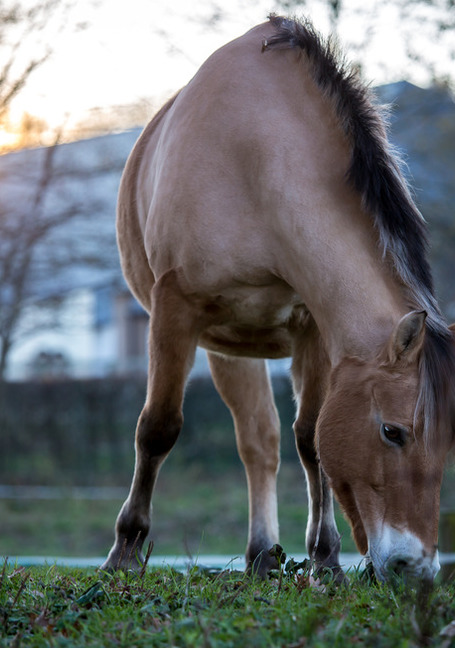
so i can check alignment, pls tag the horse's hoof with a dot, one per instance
(123, 560)
(262, 564)
(334, 573)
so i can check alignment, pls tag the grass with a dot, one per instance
(162, 607)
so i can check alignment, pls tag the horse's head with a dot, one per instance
(383, 457)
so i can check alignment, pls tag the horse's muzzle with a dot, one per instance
(400, 555)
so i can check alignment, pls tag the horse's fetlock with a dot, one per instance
(324, 546)
(132, 525)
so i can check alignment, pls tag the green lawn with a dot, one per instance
(201, 512)
(63, 607)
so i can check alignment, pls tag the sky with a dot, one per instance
(131, 50)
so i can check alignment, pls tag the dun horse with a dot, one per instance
(262, 214)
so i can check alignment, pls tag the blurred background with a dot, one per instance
(78, 81)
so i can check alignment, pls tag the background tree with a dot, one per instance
(24, 48)
(420, 33)
(16, 24)
(50, 233)
(38, 200)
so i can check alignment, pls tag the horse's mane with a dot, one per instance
(375, 173)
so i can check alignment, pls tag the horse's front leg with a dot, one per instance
(310, 371)
(322, 538)
(244, 386)
(173, 338)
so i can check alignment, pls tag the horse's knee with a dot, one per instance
(157, 432)
(261, 445)
(304, 432)
(133, 523)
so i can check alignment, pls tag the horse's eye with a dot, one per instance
(393, 435)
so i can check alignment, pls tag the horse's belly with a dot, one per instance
(259, 326)
(252, 343)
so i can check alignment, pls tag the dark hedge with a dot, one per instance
(82, 432)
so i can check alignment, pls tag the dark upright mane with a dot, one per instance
(375, 173)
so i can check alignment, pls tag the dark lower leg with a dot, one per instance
(154, 441)
(310, 370)
(322, 537)
(173, 336)
(263, 525)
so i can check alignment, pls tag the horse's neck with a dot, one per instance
(355, 312)
(335, 265)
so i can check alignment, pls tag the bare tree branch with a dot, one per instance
(21, 26)
(424, 29)
(38, 245)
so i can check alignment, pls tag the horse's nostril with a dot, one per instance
(398, 565)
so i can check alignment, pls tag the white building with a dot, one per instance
(80, 321)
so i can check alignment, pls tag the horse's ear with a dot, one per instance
(407, 338)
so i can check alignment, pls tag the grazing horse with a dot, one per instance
(263, 214)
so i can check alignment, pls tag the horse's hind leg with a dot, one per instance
(244, 385)
(310, 370)
(173, 336)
